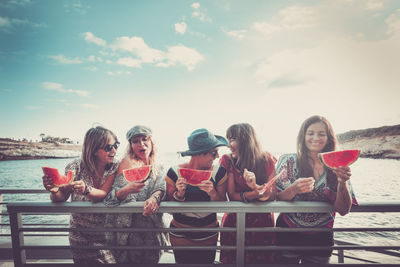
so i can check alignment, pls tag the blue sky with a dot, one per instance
(176, 66)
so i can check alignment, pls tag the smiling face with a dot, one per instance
(316, 137)
(141, 146)
(234, 146)
(105, 154)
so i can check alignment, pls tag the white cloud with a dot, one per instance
(288, 19)
(59, 88)
(139, 48)
(199, 14)
(4, 22)
(393, 22)
(196, 5)
(180, 27)
(374, 4)
(129, 62)
(13, 22)
(91, 38)
(238, 34)
(183, 55)
(63, 60)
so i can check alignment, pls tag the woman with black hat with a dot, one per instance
(140, 151)
(203, 150)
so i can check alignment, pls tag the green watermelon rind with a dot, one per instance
(194, 171)
(134, 171)
(323, 159)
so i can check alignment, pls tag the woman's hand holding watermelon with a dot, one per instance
(135, 187)
(343, 173)
(208, 187)
(48, 184)
(181, 186)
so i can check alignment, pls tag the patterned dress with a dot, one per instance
(195, 219)
(252, 220)
(325, 191)
(89, 220)
(136, 220)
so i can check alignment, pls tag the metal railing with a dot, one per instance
(17, 209)
(20, 231)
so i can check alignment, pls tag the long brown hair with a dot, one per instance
(250, 153)
(95, 138)
(305, 169)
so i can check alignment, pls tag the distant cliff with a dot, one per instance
(382, 142)
(15, 150)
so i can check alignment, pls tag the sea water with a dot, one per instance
(373, 180)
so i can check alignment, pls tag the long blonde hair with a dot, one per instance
(250, 153)
(129, 154)
(95, 138)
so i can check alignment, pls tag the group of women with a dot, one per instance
(239, 176)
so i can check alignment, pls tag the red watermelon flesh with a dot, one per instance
(138, 174)
(194, 177)
(270, 183)
(59, 180)
(336, 159)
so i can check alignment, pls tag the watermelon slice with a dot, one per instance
(138, 174)
(336, 159)
(194, 177)
(271, 182)
(59, 180)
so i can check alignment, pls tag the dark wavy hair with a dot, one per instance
(250, 153)
(95, 138)
(303, 159)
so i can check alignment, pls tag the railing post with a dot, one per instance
(240, 238)
(17, 238)
(340, 256)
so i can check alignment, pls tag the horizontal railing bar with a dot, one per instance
(215, 229)
(215, 206)
(268, 248)
(22, 191)
(213, 264)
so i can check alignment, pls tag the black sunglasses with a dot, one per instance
(108, 147)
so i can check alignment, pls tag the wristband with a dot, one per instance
(242, 196)
(88, 189)
(157, 197)
(178, 198)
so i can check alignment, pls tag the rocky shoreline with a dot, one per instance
(20, 150)
(377, 143)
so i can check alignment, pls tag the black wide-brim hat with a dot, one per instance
(201, 141)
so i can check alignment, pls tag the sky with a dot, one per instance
(176, 66)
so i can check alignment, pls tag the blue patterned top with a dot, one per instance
(323, 191)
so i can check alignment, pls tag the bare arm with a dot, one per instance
(98, 194)
(343, 198)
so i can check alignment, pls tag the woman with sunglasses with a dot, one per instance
(248, 168)
(94, 175)
(203, 149)
(141, 151)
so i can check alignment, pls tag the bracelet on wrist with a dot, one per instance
(54, 190)
(157, 197)
(88, 189)
(243, 197)
(178, 198)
